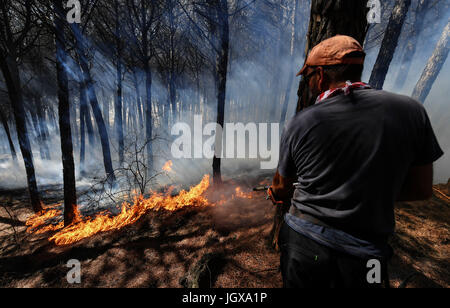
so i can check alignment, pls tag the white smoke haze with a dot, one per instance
(249, 99)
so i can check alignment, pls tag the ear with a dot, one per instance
(321, 79)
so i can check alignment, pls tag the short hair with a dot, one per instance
(344, 72)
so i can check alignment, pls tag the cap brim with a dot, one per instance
(302, 71)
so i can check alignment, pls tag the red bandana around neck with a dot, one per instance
(349, 87)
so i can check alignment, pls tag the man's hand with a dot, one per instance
(282, 188)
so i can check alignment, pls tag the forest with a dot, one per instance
(90, 93)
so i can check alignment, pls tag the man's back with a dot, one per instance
(351, 155)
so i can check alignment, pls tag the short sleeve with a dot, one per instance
(428, 149)
(286, 165)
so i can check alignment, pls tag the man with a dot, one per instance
(344, 161)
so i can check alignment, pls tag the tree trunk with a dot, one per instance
(92, 97)
(138, 99)
(294, 43)
(8, 134)
(118, 110)
(148, 116)
(329, 18)
(43, 127)
(410, 50)
(118, 117)
(222, 71)
(38, 134)
(70, 195)
(12, 79)
(389, 43)
(434, 66)
(82, 143)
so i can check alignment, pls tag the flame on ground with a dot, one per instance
(130, 213)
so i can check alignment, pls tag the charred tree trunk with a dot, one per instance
(70, 195)
(10, 71)
(389, 43)
(222, 70)
(434, 66)
(405, 64)
(8, 135)
(329, 18)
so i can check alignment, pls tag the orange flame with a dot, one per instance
(240, 194)
(130, 214)
(168, 166)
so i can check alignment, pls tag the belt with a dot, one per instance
(297, 213)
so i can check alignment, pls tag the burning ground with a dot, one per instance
(167, 240)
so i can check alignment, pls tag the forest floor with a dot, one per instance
(162, 247)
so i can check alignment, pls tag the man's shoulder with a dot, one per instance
(391, 99)
(392, 104)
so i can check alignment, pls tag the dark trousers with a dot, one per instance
(308, 264)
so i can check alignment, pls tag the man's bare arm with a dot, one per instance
(418, 184)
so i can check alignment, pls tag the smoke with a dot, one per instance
(252, 77)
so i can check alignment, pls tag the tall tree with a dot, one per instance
(70, 195)
(293, 49)
(222, 70)
(411, 46)
(433, 67)
(16, 27)
(86, 78)
(389, 44)
(143, 23)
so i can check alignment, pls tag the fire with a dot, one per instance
(85, 227)
(168, 166)
(240, 194)
(130, 213)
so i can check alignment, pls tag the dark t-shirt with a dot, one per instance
(351, 155)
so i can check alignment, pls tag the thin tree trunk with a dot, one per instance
(389, 43)
(12, 78)
(70, 195)
(434, 66)
(294, 43)
(222, 70)
(38, 134)
(92, 97)
(118, 116)
(411, 45)
(82, 143)
(138, 98)
(8, 134)
(42, 127)
(148, 116)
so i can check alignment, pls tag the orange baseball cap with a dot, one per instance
(334, 51)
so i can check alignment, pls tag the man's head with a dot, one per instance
(331, 63)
